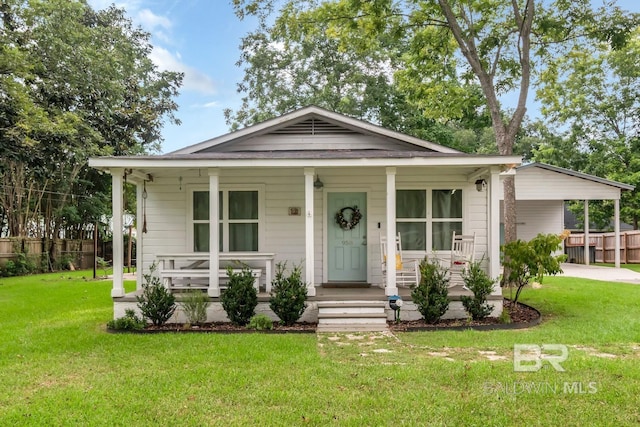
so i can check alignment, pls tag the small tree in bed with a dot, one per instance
(526, 261)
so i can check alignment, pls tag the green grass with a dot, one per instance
(633, 267)
(60, 367)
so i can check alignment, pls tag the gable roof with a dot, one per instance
(569, 172)
(311, 122)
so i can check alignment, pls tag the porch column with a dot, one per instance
(391, 287)
(308, 231)
(214, 234)
(118, 238)
(494, 225)
(616, 229)
(586, 233)
(139, 235)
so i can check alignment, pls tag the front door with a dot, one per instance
(347, 242)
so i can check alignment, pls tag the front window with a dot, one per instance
(426, 219)
(238, 224)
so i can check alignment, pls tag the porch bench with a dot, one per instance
(181, 274)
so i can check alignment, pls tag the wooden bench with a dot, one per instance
(185, 276)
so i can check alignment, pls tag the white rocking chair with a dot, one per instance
(407, 271)
(462, 255)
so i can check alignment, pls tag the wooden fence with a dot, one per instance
(78, 252)
(604, 247)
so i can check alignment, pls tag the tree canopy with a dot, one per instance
(445, 59)
(74, 83)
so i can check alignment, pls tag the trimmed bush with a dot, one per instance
(478, 282)
(431, 294)
(130, 322)
(260, 322)
(194, 305)
(288, 294)
(241, 298)
(156, 303)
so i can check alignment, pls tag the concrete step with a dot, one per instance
(324, 315)
(352, 316)
(351, 327)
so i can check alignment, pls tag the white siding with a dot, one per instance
(168, 197)
(543, 216)
(535, 183)
(316, 142)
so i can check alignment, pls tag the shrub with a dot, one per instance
(431, 294)
(156, 303)
(241, 298)
(288, 294)
(130, 322)
(103, 264)
(526, 261)
(478, 282)
(260, 322)
(21, 266)
(194, 305)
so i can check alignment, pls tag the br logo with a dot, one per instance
(531, 357)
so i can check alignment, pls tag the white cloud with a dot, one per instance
(151, 21)
(194, 80)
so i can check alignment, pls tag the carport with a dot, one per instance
(541, 191)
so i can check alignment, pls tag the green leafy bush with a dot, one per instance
(241, 298)
(260, 322)
(526, 261)
(21, 266)
(156, 303)
(288, 294)
(478, 282)
(194, 305)
(431, 294)
(130, 322)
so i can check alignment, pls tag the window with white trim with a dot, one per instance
(426, 219)
(239, 224)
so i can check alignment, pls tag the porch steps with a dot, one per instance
(352, 316)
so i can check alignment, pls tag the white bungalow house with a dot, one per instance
(273, 191)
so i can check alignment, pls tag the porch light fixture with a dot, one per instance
(317, 184)
(481, 184)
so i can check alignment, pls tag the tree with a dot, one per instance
(285, 70)
(75, 83)
(591, 90)
(454, 47)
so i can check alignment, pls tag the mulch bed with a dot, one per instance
(522, 316)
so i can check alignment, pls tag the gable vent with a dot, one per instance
(313, 126)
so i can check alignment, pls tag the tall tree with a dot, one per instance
(455, 46)
(591, 92)
(74, 83)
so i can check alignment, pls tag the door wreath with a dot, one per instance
(345, 224)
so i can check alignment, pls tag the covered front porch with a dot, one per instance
(364, 295)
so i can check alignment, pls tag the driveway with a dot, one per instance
(609, 274)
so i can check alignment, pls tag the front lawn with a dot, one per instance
(59, 366)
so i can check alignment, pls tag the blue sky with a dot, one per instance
(201, 39)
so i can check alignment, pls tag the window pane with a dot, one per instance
(243, 205)
(243, 237)
(411, 204)
(447, 203)
(201, 237)
(200, 205)
(443, 233)
(413, 235)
